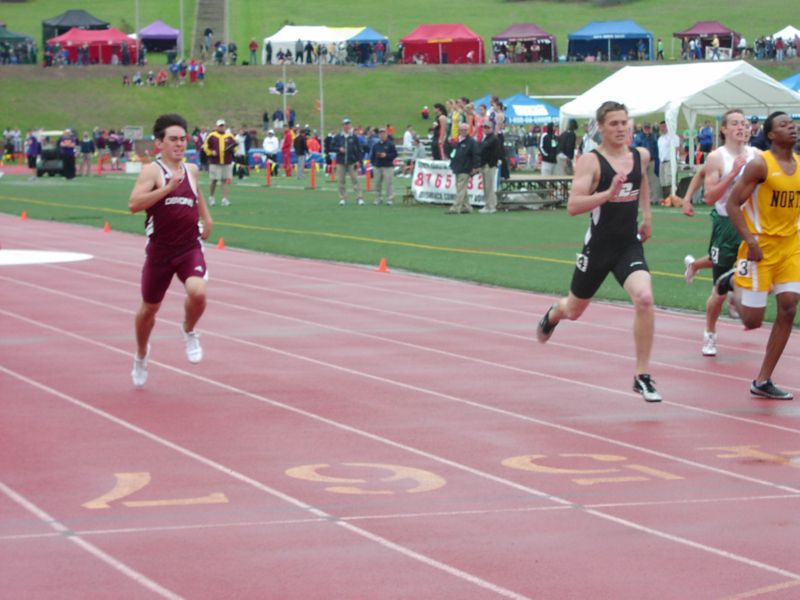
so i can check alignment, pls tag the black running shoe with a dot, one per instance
(769, 390)
(724, 283)
(545, 328)
(646, 387)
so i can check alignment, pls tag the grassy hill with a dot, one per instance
(88, 97)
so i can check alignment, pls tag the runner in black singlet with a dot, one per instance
(611, 184)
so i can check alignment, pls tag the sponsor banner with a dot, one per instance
(434, 182)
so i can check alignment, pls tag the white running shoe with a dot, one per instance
(709, 344)
(689, 273)
(139, 372)
(211, 201)
(225, 202)
(194, 351)
(360, 201)
(342, 202)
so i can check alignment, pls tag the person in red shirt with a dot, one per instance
(287, 143)
(253, 47)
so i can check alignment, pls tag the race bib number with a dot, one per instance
(714, 255)
(582, 262)
(743, 268)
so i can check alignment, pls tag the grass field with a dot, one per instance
(532, 250)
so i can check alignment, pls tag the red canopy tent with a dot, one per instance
(528, 33)
(706, 30)
(103, 44)
(442, 44)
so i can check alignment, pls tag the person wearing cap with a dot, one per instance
(271, 147)
(66, 145)
(465, 161)
(349, 153)
(219, 147)
(381, 158)
(491, 150)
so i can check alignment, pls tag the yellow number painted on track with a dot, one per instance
(425, 480)
(531, 462)
(128, 484)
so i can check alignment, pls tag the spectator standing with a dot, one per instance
(660, 49)
(349, 154)
(271, 147)
(33, 148)
(548, 144)
(277, 119)
(565, 151)
(300, 144)
(253, 47)
(287, 143)
(408, 138)
(382, 158)
(647, 139)
(87, 150)
(529, 140)
(114, 149)
(219, 147)
(668, 144)
(757, 137)
(491, 151)
(67, 147)
(464, 163)
(439, 132)
(705, 138)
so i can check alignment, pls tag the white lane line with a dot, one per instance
(76, 539)
(403, 447)
(317, 512)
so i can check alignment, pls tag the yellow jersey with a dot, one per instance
(774, 207)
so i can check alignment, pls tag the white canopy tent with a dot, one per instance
(788, 33)
(708, 88)
(286, 38)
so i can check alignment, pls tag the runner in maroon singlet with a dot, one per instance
(167, 190)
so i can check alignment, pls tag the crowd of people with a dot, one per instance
(18, 53)
(174, 74)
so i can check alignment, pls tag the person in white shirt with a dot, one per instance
(667, 157)
(271, 146)
(408, 138)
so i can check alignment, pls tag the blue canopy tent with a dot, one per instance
(793, 82)
(613, 40)
(365, 40)
(524, 110)
(487, 100)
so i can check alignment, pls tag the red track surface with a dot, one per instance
(353, 434)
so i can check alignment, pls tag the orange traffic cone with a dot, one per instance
(221, 244)
(382, 266)
(24, 215)
(107, 227)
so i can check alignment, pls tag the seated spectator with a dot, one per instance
(137, 78)
(161, 80)
(126, 80)
(151, 78)
(417, 152)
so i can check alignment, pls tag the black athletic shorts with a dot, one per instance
(598, 259)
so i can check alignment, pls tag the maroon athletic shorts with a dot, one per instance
(163, 262)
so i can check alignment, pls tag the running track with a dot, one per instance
(355, 434)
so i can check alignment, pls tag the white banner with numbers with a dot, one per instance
(434, 182)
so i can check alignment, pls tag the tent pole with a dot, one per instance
(180, 33)
(608, 58)
(283, 94)
(136, 18)
(321, 103)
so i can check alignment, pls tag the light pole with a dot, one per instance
(321, 101)
(181, 43)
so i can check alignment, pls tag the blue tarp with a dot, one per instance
(369, 36)
(487, 100)
(524, 110)
(793, 82)
(615, 39)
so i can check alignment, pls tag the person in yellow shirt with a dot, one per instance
(764, 206)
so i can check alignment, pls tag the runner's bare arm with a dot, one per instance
(148, 190)
(754, 173)
(587, 175)
(205, 214)
(646, 227)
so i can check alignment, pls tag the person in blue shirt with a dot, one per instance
(647, 139)
(705, 138)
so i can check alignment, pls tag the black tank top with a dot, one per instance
(617, 219)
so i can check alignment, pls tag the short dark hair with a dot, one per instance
(607, 107)
(769, 121)
(165, 121)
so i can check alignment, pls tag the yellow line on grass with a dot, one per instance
(343, 236)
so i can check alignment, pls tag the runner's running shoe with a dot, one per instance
(139, 372)
(769, 390)
(545, 327)
(646, 387)
(709, 344)
(689, 273)
(194, 351)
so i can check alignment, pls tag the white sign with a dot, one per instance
(434, 182)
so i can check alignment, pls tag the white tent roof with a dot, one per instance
(707, 88)
(787, 33)
(286, 38)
